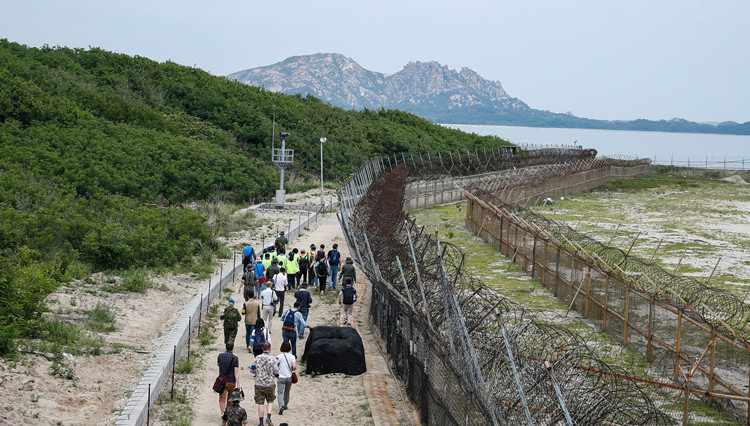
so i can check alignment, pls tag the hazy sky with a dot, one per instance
(607, 59)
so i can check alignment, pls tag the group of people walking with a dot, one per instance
(265, 282)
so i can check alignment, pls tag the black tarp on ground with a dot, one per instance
(334, 350)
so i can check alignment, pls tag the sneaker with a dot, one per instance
(269, 422)
(281, 410)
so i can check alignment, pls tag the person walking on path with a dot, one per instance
(292, 267)
(348, 270)
(260, 274)
(252, 311)
(312, 278)
(265, 368)
(260, 335)
(229, 367)
(334, 258)
(272, 270)
(279, 286)
(304, 298)
(287, 365)
(280, 242)
(248, 255)
(347, 297)
(281, 258)
(235, 415)
(249, 279)
(268, 304)
(231, 317)
(292, 319)
(303, 261)
(321, 274)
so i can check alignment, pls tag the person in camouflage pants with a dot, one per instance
(235, 415)
(231, 317)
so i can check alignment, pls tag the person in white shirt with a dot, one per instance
(268, 296)
(287, 364)
(279, 286)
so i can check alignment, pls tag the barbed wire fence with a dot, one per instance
(467, 354)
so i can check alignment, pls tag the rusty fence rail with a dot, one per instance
(697, 336)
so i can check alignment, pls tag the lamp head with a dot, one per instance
(323, 140)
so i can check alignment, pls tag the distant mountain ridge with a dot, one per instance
(435, 92)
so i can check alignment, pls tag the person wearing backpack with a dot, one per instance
(303, 261)
(321, 274)
(231, 317)
(260, 274)
(348, 270)
(292, 319)
(313, 279)
(292, 268)
(334, 258)
(304, 298)
(260, 336)
(249, 280)
(347, 297)
(248, 255)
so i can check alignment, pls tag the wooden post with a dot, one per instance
(677, 346)
(572, 276)
(523, 255)
(711, 367)
(557, 269)
(588, 292)
(650, 322)
(606, 293)
(533, 256)
(544, 265)
(627, 305)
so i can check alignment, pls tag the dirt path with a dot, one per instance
(333, 399)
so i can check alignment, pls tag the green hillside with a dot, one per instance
(90, 140)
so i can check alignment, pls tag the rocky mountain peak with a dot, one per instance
(341, 81)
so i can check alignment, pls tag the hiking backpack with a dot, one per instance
(260, 339)
(288, 320)
(348, 292)
(322, 268)
(333, 257)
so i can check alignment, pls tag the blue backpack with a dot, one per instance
(333, 257)
(260, 339)
(288, 320)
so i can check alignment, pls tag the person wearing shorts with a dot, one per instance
(266, 370)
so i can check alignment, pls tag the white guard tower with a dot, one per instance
(282, 158)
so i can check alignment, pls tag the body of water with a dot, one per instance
(694, 149)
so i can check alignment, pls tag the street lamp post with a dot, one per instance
(322, 200)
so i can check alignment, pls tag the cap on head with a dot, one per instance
(231, 301)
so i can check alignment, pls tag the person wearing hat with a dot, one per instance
(348, 270)
(281, 242)
(304, 298)
(272, 270)
(235, 415)
(303, 262)
(231, 317)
